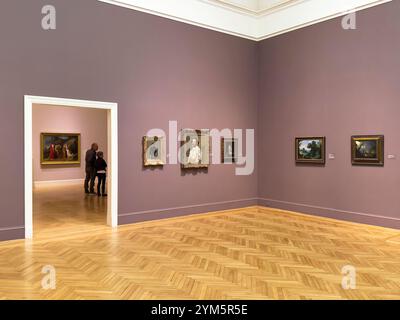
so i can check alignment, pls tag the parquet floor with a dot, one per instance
(249, 253)
(64, 210)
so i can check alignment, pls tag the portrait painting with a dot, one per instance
(310, 150)
(60, 148)
(229, 150)
(154, 151)
(367, 150)
(195, 148)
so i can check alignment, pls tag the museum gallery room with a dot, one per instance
(200, 150)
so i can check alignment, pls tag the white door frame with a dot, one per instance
(112, 119)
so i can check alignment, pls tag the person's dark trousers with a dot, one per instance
(89, 180)
(101, 183)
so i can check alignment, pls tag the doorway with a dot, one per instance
(111, 146)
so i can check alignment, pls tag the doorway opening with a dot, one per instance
(56, 181)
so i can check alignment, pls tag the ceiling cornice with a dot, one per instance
(219, 15)
(256, 12)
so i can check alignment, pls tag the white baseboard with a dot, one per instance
(61, 182)
(157, 214)
(338, 214)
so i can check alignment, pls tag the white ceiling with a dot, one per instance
(251, 19)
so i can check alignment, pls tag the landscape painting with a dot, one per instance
(367, 150)
(310, 150)
(60, 148)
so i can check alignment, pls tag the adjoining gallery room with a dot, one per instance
(64, 200)
(190, 150)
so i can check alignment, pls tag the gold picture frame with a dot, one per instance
(60, 148)
(195, 148)
(154, 151)
(368, 150)
(310, 150)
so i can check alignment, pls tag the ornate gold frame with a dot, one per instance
(150, 162)
(44, 162)
(200, 133)
(378, 161)
(310, 161)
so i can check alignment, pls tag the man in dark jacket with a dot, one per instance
(90, 168)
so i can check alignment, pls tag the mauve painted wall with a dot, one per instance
(90, 123)
(326, 81)
(155, 69)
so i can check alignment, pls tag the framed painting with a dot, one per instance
(195, 148)
(310, 150)
(154, 151)
(60, 148)
(367, 150)
(229, 150)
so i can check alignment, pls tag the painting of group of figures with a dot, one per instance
(195, 151)
(365, 150)
(60, 148)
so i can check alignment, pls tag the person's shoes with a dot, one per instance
(92, 193)
(99, 195)
(105, 195)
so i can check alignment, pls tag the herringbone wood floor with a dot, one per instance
(63, 210)
(250, 253)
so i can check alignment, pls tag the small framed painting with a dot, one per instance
(229, 150)
(195, 148)
(310, 150)
(60, 148)
(367, 150)
(154, 151)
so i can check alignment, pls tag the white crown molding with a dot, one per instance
(197, 13)
(248, 6)
(262, 8)
(308, 13)
(284, 16)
